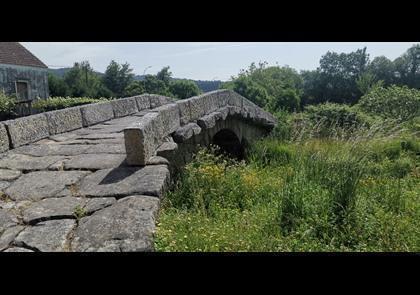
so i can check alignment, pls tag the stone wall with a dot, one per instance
(186, 118)
(25, 130)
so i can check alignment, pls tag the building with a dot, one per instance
(22, 73)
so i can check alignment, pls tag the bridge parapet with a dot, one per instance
(186, 118)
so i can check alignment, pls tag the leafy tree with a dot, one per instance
(182, 89)
(272, 87)
(383, 69)
(402, 103)
(366, 81)
(152, 84)
(82, 81)
(164, 75)
(407, 67)
(117, 77)
(57, 86)
(135, 88)
(340, 72)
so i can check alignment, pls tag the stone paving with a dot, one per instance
(74, 192)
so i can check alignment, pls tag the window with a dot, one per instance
(22, 90)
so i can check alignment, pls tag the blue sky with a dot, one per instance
(201, 60)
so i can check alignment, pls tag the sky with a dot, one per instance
(201, 60)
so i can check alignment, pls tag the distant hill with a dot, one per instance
(205, 86)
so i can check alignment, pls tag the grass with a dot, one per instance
(313, 194)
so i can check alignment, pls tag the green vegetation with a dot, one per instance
(7, 106)
(56, 103)
(316, 195)
(117, 81)
(333, 177)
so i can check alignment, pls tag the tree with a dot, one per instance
(272, 87)
(135, 88)
(407, 67)
(82, 81)
(117, 78)
(152, 84)
(164, 75)
(57, 86)
(339, 74)
(182, 89)
(383, 69)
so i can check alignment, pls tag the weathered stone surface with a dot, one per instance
(27, 129)
(48, 236)
(96, 113)
(61, 208)
(27, 163)
(4, 185)
(125, 181)
(143, 102)
(209, 121)
(184, 111)
(64, 120)
(235, 100)
(42, 150)
(159, 100)
(7, 219)
(4, 139)
(223, 97)
(211, 103)
(169, 117)
(42, 184)
(186, 132)
(157, 160)
(128, 225)
(167, 149)
(99, 136)
(142, 138)
(106, 149)
(234, 111)
(17, 249)
(94, 161)
(124, 107)
(9, 235)
(197, 108)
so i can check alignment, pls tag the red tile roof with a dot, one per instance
(14, 53)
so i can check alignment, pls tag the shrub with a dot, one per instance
(271, 152)
(56, 103)
(394, 102)
(7, 106)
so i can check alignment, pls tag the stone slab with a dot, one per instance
(126, 226)
(4, 139)
(143, 102)
(8, 236)
(124, 107)
(27, 163)
(8, 175)
(125, 181)
(159, 100)
(27, 129)
(43, 150)
(96, 113)
(94, 161)
(42, 184)
(47, 236)
(64, 120)
(62, 208)
(186, 132)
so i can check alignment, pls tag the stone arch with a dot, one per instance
(229, 143)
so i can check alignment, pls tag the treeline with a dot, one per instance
(117, 81)
(340, 78)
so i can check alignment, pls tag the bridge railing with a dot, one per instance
(143, 138)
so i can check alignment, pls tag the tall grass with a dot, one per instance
(358, 192)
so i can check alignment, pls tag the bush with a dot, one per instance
(394, 102)
(57, 103)
(7, 106)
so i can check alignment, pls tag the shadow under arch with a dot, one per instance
(229, 143)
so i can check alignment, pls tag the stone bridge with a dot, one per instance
(91, 178)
